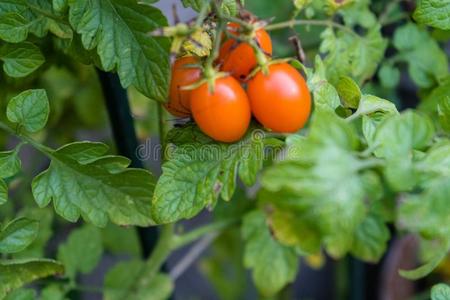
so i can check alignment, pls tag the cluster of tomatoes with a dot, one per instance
(279, 99)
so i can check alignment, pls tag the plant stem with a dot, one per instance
(163, 128)
(161, 251)
(192, 255)
(202, 14)
(187, 238)
(26, 139)
(292, 23)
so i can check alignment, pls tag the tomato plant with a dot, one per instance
(308, 139)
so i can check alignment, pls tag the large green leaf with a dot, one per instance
(427, 62)
(78, 256)
(120, 30)
(401, 134)
(29, 109)
(294, 228)
(434, 13)
(128, 280)
(20, 60)
(431, 208)
(20, 17)
(324, 179)
(17, 235)
(81, 181)
(273, 265)
(351, 55)
(370, 241)
(198, 170)
(16, 273)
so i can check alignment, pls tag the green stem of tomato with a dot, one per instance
(161, 251)
(292, 23)
(215, 227)
(26, 139)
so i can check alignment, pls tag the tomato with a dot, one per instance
(280, 101)
(223, 115)
(182, 76)
(238, 58)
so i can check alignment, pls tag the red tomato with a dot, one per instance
(238, 58)
(182, 76)
(223, 115)
(281, 100)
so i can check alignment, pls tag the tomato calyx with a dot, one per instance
(209, 77)
(265, 68)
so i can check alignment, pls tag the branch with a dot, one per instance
(193, 254)
(293, 23)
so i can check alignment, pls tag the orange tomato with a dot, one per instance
(223, 115)
(238, 58)
(281, 100)
(182, 76)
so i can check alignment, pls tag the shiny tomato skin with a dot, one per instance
(182, 76)
(280, 101)
(238, 58)
(223, 115)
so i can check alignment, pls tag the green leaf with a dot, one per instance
(440, 292)
(130, 244)
(10, 163)
(349, 92)
(13, 27)
(29, 109)
(324, 179)
(350, 55)
(53, 292)
(427, 61)
(374, 111)
(119, 29)
(81, 181)
(273, 265)
(425, 269)
(39, 18)
(230, 7)
(79, 256)
(371, 104)
(17, 273)
(20, 60)
(198, 172)
(3, 192)
(194, 4)
(389, 76)
(435, 13)
(22, 294)
(431, 208)
(296, 229)
(370, 240)
(17, 235)
(399, 135)
(128, 280)
(45, 218)
(444, 113)
(60, 6)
